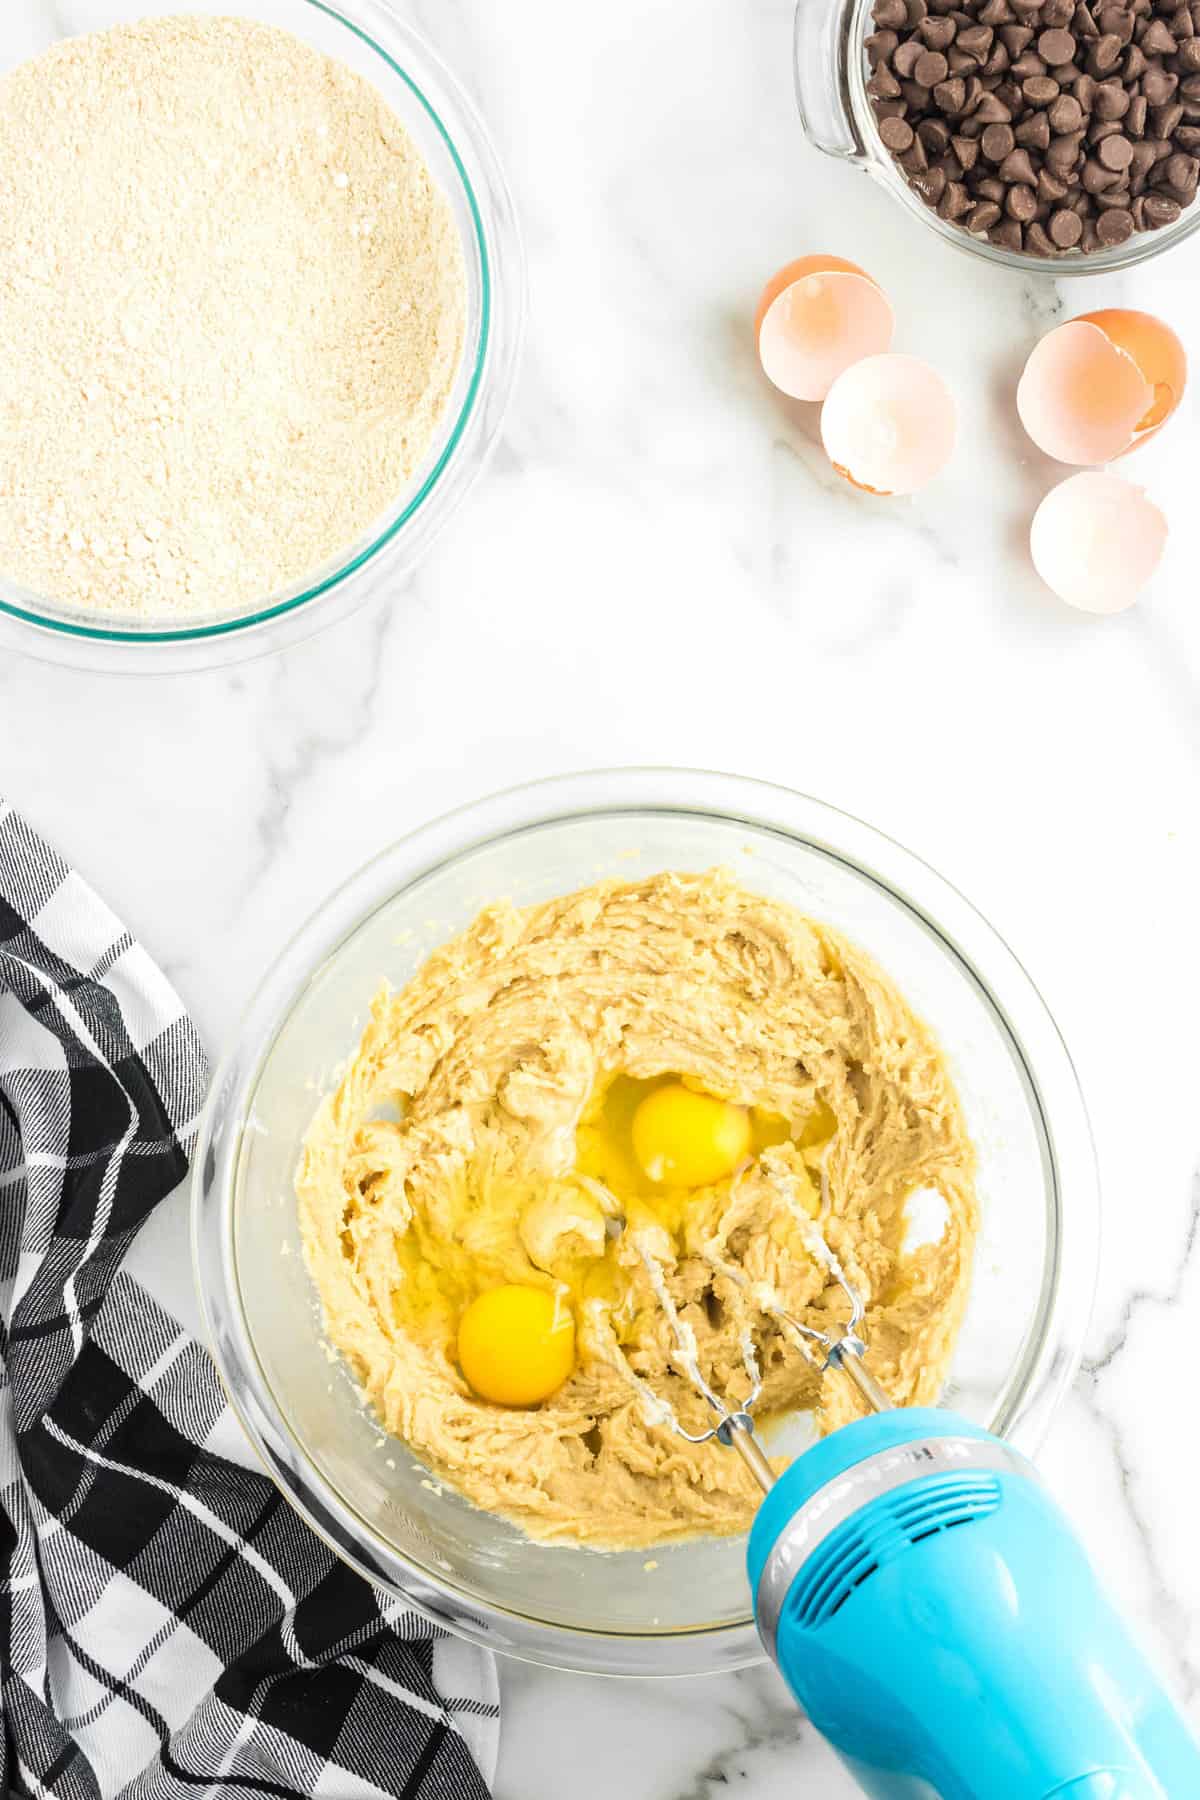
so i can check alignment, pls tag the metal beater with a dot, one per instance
(841, 1348)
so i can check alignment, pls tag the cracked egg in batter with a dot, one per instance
(675, 1069)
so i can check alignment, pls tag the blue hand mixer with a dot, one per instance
(932, 1610)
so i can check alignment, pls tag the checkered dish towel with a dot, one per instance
(168, 1627)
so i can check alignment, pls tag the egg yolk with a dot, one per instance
(682, 1138)
(516, 1345)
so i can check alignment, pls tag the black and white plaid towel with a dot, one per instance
(168, 1627)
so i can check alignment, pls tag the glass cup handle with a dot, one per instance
(822, 51)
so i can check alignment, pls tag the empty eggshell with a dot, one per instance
(816, 317)
(1096, 540)
(1102, 384)
(888, 424)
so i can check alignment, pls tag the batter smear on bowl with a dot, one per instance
(673, 1082)
(237, 302)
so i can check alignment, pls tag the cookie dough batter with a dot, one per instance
(481, 1136)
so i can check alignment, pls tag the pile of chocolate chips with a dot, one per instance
(1042, 125)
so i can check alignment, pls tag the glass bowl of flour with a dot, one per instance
(263, 284)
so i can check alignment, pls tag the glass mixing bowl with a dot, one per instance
(369, 37)
(831, 88)
(583, 1609)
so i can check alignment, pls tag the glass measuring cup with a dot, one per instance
(835, 109)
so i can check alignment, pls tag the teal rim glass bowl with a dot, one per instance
(368, 36)
(683, 1608)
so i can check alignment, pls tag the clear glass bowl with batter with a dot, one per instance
(380, 1508)
(441, 120)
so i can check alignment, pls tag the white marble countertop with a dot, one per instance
(660, 567)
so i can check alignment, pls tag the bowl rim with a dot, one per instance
(73, 626)
(1034, 1387)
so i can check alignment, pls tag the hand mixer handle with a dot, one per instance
(934, 1613)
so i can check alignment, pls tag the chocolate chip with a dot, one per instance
(1115, 21)
(954, 202)
(1115, 227)
(1039, 90)
(1160, 211)
(1034, 131)
(1135, 64)
(1049, 188)
(1105, 54)
(991, 110)
(1157, 40)
(897, 134)
(1096, 177)
(1084, 89)
(1016, 38)
(1115, 153)
(976, 41)
(1135, 118)
(1084, 22)
(880, 46)
(883, 84)
(950, 95)
(890, 14)
(1144, 159)
(974, 94)
(1028, 64)
(1066, 228)
(1065, 114)
(931, 67)
(907, 57)
(931, 185)
(1063, 153)
(937, 34)
(1111, 101)
(1056, 47)
(1008, 235)
(934, 134)
(1189, 54)
(1158, 85)
(990, 187)
(1037, 241)
(1182, 171)
(1165, 120)
(996, 142)
(1017, 167)
(1021, 204)
(967, 152)
(982, 216)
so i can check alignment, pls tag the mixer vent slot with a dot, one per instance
(885, 1529)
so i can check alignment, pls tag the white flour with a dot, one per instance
(231, 312)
